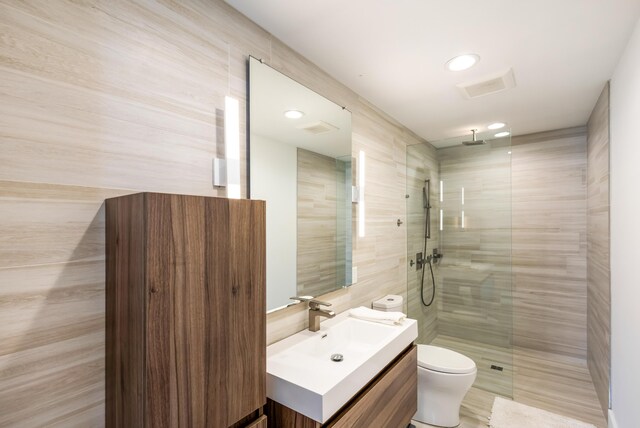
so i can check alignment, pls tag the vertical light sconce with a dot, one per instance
(226, 172)
(462, 203)
(441, 199)
(361, 182)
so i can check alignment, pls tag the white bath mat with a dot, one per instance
(509, 414)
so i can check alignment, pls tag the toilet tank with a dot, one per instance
(389, 303)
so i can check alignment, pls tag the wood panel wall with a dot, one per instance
(99, 99)
(598, 268)
(549, 241)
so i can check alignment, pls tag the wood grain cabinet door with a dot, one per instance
(205, 310)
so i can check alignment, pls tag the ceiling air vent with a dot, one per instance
(492, 85)
(318, 127)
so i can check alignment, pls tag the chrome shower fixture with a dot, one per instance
(474, 141)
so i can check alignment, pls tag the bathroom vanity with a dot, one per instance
(372, 383)
(185, 328)
(389, 400)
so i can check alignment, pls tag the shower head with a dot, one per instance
(474, 141)
(425, 195)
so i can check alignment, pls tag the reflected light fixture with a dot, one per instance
(496, 125)
(293, 114)
(462, 62)
(503, 134)
(226, 172)
(361, 179)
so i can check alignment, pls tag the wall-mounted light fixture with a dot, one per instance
(226, 172)
(462, 211)
(361, 183)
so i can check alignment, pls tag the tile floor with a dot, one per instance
(552, 382)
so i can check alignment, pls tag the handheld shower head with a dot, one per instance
(426, 204)
(474, 141)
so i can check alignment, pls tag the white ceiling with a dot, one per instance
(393, 54)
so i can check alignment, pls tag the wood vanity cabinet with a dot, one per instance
(388, 401)
(185, 329)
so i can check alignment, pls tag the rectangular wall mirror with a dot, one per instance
(300, 163)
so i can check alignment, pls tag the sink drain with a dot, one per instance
(337, 357)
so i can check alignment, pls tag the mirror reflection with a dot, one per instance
(300, 163)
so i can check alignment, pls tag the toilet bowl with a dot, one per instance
(444, 377)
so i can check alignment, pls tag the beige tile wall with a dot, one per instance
(549, 183)
(598, 269)
(103, 98)
(476, 294)
(317, 225)
(422, 164)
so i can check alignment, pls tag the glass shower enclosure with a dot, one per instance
(459, 239)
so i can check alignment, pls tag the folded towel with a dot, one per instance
(392, 318)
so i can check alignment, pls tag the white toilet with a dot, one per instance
(444, 377)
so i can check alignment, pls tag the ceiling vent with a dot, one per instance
(492, 85)
(318, 127)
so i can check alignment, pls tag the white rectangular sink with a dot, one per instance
(302, 376)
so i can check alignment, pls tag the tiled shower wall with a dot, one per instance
(550, 241)
(422, 164)
(475, 272)
(598, 269)
(547, 214)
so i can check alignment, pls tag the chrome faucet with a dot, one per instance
(315, 312)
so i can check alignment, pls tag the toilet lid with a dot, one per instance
(444, 360)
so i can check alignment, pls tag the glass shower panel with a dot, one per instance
(422, 165)
(471, 212)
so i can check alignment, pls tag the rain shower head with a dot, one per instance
(474, 141)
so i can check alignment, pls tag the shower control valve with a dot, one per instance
(420, 261)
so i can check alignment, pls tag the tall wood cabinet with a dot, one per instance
(186, 337)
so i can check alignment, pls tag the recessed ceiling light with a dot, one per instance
(462, 62)
(503, 134)
(293, 114)
(496, 125)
